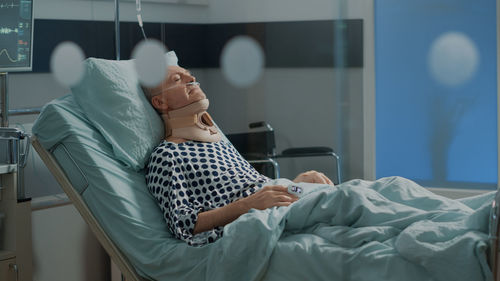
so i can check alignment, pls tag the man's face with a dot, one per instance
(174, 90)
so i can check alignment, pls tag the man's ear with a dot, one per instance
(159, 103)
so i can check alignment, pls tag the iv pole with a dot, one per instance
(4, 100)
(117, 29)
(117, 52)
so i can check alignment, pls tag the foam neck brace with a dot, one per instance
(192, 122)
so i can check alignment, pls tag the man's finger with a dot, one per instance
(277, 187)
(326, 179)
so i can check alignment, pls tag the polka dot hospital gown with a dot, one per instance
(192, 177)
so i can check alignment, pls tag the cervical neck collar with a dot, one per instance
(192, 122)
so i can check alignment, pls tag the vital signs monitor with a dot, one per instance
(16, 35)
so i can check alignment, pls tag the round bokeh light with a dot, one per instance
(66, 63)
(453, 59)
(242, 61)
(150, 63)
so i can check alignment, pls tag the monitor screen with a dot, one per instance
(16, 35)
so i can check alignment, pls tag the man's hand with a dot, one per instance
(313, 177)
(269, 196)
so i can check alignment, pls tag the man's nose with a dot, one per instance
(189, 78)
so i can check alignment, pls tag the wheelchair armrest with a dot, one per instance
(312, 151)
(261, 124)
(307, 150)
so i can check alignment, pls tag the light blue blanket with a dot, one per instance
(390, 229)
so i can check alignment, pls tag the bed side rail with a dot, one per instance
(494, 261)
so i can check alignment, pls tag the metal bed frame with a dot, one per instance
(494, 261)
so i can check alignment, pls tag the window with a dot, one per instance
(436, 92)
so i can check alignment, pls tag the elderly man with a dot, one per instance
(200, 182)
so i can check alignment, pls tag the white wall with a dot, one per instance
(217, 11)
(105, 10)
(223, 11)
(64, 248)
(31, 90)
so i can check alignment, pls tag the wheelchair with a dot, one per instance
(259, 149)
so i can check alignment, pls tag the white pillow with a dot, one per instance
(112, 99)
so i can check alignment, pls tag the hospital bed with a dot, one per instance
(112, 198)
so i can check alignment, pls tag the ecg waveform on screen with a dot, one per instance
(7, 30)
(4, 51)
(7, 5)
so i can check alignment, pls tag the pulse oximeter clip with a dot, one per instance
(296, 190)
